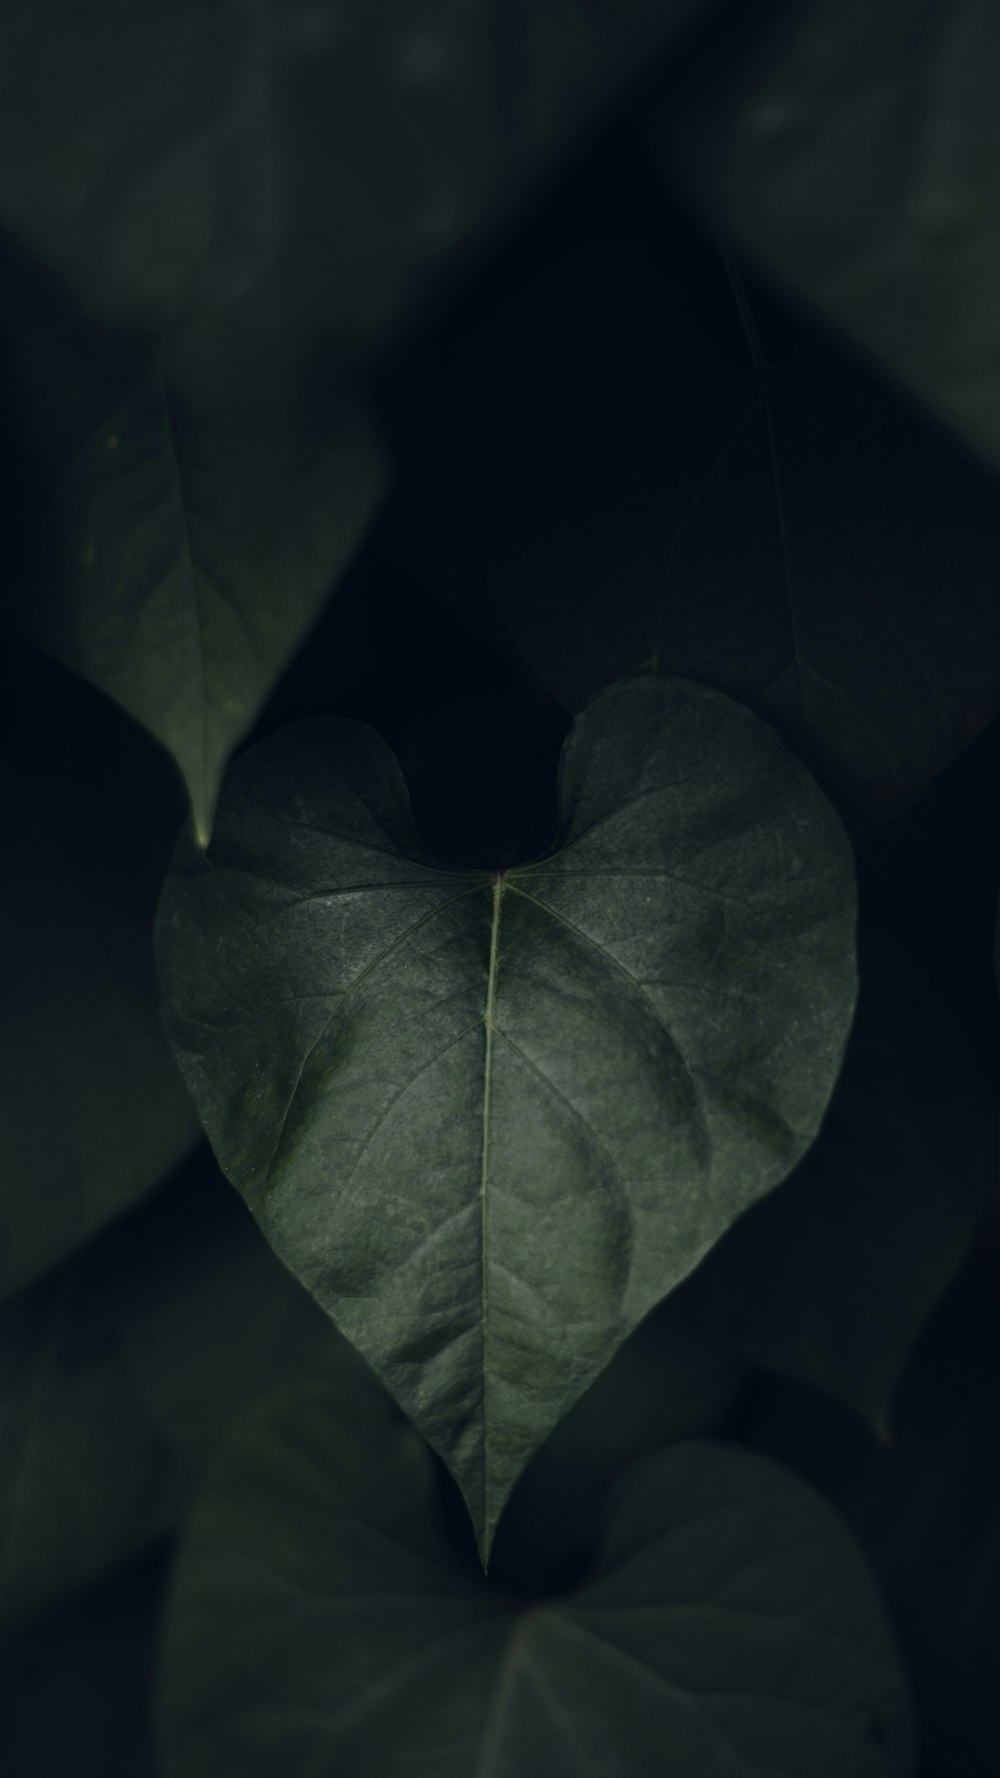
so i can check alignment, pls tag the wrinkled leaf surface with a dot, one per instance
(490, 1120)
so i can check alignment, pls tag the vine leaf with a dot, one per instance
(117, 1371)
(292, 177)
(93, 1110)
(319, 1617)
(491, 1120)
(764, 518)
(884, 1208)
(896, 101)
(879, 1213)
(186, 574)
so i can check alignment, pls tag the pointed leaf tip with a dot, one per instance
(490, 1121)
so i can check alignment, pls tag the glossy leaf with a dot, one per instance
(893, 101)
(93, 1110)
(478, 1114)
(117, 1373)
(320, 1622)
(772, 522)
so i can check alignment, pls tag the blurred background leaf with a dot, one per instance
(76, 1684)
(925, 1510)
(852, 151)
(319, 1613)
(294, 176)
(713, 488)
(843, 1267)
(93, 1111)
(176, 552)
(118, 1371)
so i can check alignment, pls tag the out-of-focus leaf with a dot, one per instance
(304, 161)
(926, 1510)
(320, 1621)
(75, 1686)
(117, 1372)
(781, 529)
(829, 1280)
(491, 1120)
(93, 1111)
(832, 1278)
(887, 1207)
(182, 551)
(854, 152)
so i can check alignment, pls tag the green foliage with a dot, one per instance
(117, 1372)
(321, 1621)
(187, 556)
(473, 1113)
(93, 1112)
(881, 1211)
(784, 536)
(853, 155)
(378, 394)
(288, 176)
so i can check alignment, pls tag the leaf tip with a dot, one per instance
(484, 1546)
(202, 812)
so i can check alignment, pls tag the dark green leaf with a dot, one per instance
(96, 1654)
(93, 1111)
(188, 562)
(854, 153)
(117, 1372)
(477, 1114)
(926, 1510)
(883, 1209)
(831, 1278)
(773, 523)
(306, 164)
(321, 1623)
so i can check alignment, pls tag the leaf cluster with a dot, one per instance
(500, 653)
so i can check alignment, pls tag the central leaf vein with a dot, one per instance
(489, 1020)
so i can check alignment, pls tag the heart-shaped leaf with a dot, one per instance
(117, 1372)
(321, 1623)
(186, 575)
(763, 516)
(491, 1120)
